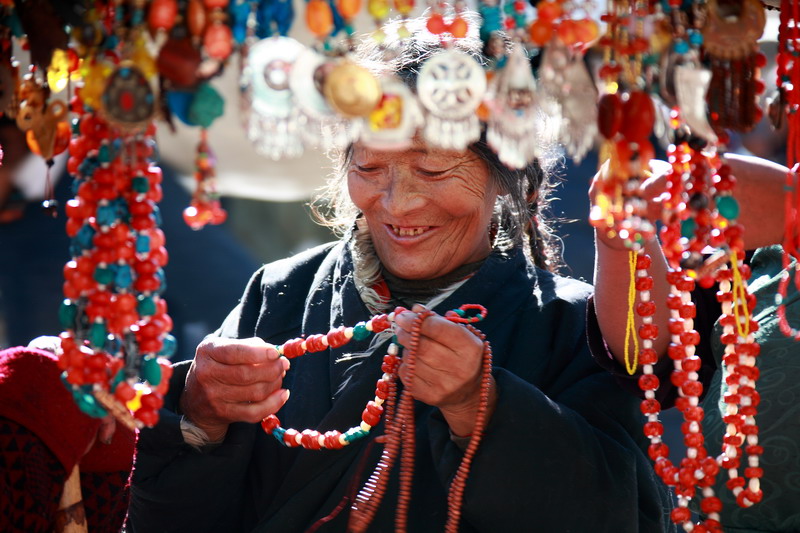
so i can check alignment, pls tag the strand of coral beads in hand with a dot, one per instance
(334, 440)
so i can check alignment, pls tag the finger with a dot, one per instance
(248, 374)
(257, 411)
(255, 393)
(238, 351)
(107, 428)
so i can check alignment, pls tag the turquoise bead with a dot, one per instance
(104, 153)
(728, 207)
(207, 105)
(169, 346)
(146, 306)
(123, 277)
(103, 275)
(106, 214)
(142, 244)
(89, 405)
(119, 378)
(67, 314)
(98, 334)
(681, 47)
(151, 371)
(360, 331)
(687, 228)
(140, 184)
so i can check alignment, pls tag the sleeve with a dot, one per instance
(561, 470)
(708, 310)
(177, 488)
(559, 454)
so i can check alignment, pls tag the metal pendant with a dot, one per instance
(513, 126)
(271, 118)
(128, 102)
(394, 122)
(320, 125)
(691, 85)
(564, 79)
(450, 87)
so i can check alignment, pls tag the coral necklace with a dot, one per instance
(400, 433)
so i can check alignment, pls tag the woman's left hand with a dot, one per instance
(447, 370)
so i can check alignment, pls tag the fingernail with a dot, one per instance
(286, 364)
(285, 395)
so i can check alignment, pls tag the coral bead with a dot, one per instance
(218, 41)
(162, 14)
(436, 24)
(639, 115)
(609, 115)
(541, 31)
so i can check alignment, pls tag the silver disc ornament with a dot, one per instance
(393, 124)
(128, 101)
(270, 116)
(320, 125)
(450, 87)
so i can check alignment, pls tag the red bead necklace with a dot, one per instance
(399, 433)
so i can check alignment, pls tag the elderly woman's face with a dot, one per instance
(428, 209)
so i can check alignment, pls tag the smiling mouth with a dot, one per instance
(404, 231)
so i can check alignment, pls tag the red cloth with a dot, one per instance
(43, 435)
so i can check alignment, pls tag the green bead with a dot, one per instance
(104, 153)
(119, 378)
(140, 184)
(103, 275)
(151, 371)
(460, 312)
(728, 207)
(687, 228)
(67, 314)
(207, 105)
(146, 306)
(360, 331)
(88, 404)
(98, 334)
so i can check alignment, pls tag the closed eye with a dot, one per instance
(365, 169)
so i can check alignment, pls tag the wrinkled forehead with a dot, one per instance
(418, 149)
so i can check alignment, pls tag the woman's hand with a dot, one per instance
(447, 370)
(233, 380)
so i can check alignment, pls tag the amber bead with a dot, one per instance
(348, 8)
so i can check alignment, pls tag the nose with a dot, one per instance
(404, 192)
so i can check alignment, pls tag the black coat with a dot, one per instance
(562, 451)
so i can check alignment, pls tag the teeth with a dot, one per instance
(409, 232)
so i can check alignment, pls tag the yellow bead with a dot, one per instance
(378, 9)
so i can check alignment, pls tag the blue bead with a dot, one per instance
(106, 214)
(695, 38)
(84, 236)
(142, 244)
(163, 279)
(123, 278)
(681, 47)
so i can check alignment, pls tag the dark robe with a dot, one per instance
(562, 451)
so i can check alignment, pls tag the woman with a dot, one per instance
(760, 190)
(561, 451)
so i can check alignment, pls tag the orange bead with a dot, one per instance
(348, 8)
(196, 17)
(567, 32)
(586, 30)
(436, 24)
(319, 18)
(218, 41)
(458, 28)
(548, 10)
(541, 31)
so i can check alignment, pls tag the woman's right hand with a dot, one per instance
(233, 380)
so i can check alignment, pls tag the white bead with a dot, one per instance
(390, 316)
(303, 346)
(730, 429)
(653, 417)
(298, 438)
(365, 426)
(392, 349)
(342, 440)
(708, 492)
(730, 452)
(691, 453)
(754, 484)
(378, 401)
(752, 460)
(647, 344)
(693, 401)
(650, 395)
(369, 325)
(324, 340)
(348, 333)
(647, 369)
(694, 427)
(752, 440)
(321, 440)
(644, 296)
(647, 320)
(386, 377)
